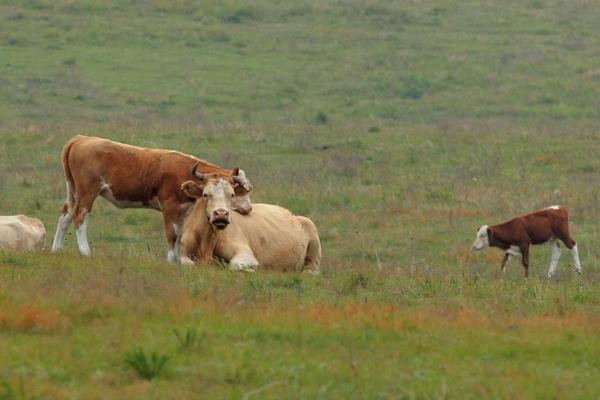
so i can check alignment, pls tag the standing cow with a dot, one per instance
(21, 233)
(516, 235)
(132, 177)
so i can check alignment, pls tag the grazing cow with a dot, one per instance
(21, 233)
(516, 235)
(269, 236)
(132, 177)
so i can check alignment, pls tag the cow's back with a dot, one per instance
(19, 232)
(275, 236)
(127, 173)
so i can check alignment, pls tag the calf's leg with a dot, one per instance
(525, 258)
(555, 256)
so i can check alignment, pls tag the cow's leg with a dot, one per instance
(555, 256)
(243, 260)
(525, 258)
(505, 261)
(173, 235)
(575, 254)
(564, 235)
(81, 211)
(64, 220)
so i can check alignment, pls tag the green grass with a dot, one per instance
(398, 127)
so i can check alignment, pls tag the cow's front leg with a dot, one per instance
(525, 258)
(171, 230)
(243, 261)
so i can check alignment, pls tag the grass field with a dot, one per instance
(397, 127)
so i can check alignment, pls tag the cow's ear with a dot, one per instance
(490, 233)
(192, 189)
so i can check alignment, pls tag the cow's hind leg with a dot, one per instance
(81, 212)
(312, 260)
(555, 256)
(565, 237)
(64, 220)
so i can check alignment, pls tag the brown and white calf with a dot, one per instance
(133, 177)
(516, 235)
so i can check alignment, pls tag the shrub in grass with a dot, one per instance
(146, 367)
(189, 338)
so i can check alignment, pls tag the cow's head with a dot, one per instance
(215, 193)
(241, 186)
(482, 240)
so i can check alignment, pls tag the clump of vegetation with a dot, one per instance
(147, 367)
(189, 338)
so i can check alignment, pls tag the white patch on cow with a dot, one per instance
(481, 240)
(553, 207)
(64, 220)
(82, 241)
(575, 254)
(555, 257)
(507, 261)
(514, 251)
(186, 261)
(171, 257)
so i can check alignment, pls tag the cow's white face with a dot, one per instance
(481, 240)
(217, 195)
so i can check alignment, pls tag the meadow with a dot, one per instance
(399, 128)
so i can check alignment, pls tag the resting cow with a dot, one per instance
(515, 236)
(269, 236)
(132, 177)
(21, 233)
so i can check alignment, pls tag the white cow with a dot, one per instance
(21, 233)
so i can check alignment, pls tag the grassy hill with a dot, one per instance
(398, 127)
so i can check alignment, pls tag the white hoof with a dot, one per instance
(186, 261)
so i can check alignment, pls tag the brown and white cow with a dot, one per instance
(21, 233)
(270, 236)
(516, 235)
(132, 177)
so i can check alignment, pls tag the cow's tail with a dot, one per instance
(69, 181)
(312, 261)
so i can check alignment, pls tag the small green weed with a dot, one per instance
(189, 338)
(146, 367)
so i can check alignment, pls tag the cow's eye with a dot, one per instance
(204, 195)
(232, 195)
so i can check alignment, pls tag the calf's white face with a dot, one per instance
(481, 240)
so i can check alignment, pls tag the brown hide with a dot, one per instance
(534, 228)
(129, 176)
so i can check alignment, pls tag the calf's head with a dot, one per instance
(215, 193)
(482, 240)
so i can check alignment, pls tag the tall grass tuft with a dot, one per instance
(146, 367)
(189, 338)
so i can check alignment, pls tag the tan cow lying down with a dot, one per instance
(21, 233)
(132, 177)
(269, 236)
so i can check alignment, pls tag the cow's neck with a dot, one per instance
(208, 236)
